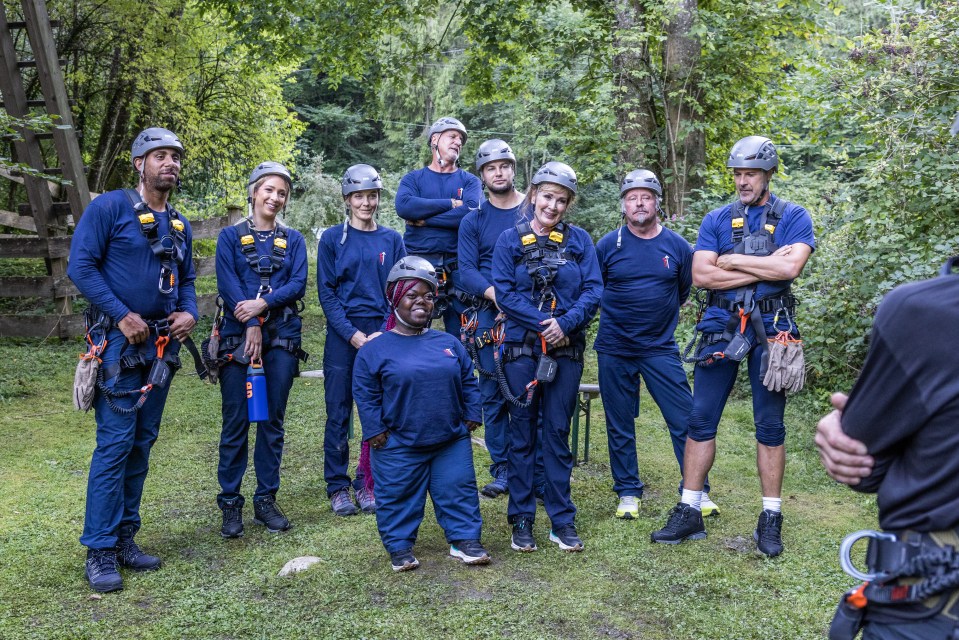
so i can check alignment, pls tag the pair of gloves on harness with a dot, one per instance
(786, 368)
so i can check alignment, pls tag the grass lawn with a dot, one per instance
(620, 587)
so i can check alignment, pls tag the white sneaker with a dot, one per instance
(628, 508)
(708, 507)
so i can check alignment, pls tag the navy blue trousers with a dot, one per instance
(403, 476)
(338, 358)
(553, 403)
(121, 459)
(495, 411)
(712, 386)
(619, 383)
(280, 367)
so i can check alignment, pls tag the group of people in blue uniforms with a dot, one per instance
(516, 286)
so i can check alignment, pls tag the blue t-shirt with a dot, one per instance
(419, 388)
(578, 286)
(113, 266)
(716, 235)
(351, 277)
(478, 233)
(236, 281)
(645, 282)
(426, 195)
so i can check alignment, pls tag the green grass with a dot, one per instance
(620, 587)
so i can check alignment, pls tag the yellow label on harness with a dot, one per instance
(244, 240)
(738, 223)
(176, 224)
(146, 218)
(280, 242)
(556, 236)
(771, 228)
(529, 238)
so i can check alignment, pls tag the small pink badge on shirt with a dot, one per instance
(382, 257)
(449, 352)
(666, 261)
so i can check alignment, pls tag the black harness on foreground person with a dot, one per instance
(745, 309)
(542, 257)
(169, 249)
(445, 264)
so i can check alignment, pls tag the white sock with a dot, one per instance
(693, 499)
(773, 504)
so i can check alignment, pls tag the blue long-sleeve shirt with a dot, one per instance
(419, 388)
(426, 195)
(645, 282)
(478, 233)
(113, 266)
(578, 286)
(351, 277)
(236, 281)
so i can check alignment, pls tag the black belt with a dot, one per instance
(765, 305)
(445, 261)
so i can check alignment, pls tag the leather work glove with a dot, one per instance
(774, 370)
(85, 382)
(795, 361)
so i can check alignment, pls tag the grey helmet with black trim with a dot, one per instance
(753, 152)
(270, 168)
(360, 177)
(640, 179)
(557, 173)
(154, 138)
(445, 124)
(493, 150)
(412, 267)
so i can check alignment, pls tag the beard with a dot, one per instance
(501, 190)
(160, 183)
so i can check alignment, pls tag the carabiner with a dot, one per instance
(846, 547)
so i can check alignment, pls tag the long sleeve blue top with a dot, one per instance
(419, 388)
(716, 234)
(478, 233)
(113, 266)
(645, 282)
(578, 286)
(426, 195)
(351, 277)
(236, 281)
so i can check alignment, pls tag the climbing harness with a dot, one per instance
(170, 249)
(444, 264)
(264, 266)
(469, 324)
(162, 367)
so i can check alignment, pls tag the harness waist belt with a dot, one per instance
(765, 305)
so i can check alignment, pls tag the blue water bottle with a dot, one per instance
(256, 406)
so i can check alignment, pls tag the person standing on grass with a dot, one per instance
(647, 275)
(261, 272)
(547, 281)
(418, 402)
(352, 263)
(124, 243)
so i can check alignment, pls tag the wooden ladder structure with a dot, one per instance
(49, 219)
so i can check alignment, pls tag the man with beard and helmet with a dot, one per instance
(647, 275)
(132, 258)
(478, 233)
(747, 255)
(433, 201)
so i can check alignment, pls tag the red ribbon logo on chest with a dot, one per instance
(449, 352)
(382, 257)
(666, 261)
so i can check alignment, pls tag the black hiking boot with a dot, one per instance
(685, 523)
(232, 519)
(768, 534)
(130, 555)
(102, 571)
(523, 539)
(266, 512)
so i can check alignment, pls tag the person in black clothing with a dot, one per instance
(896, 435)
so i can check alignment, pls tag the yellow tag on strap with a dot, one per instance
(529, 238)
(738, 223)
(245, 240)
(556, 236)
(176, 224)
(146, 218)
(280, 242)
(771, 228)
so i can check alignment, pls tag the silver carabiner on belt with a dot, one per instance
(846, 547)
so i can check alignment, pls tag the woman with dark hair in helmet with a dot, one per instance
(548, 282)
(261, 275)
(418, 401)
(353, 260)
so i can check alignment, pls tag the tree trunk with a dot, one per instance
(113, 129)
(635, 100)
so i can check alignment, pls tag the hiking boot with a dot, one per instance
(102, 571)
(469, 551)
(266, 512)
(232, 519)
(366, 499)
(707, 507)
(565, 536)
(769, 533)
(130, 555)
(499, 484)
(342, 503)
(523, 539)
(685, 523)
(404, 560)
(628, 508)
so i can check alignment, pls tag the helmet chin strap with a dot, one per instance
(408, 325)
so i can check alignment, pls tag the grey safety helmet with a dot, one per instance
(412, 267)
(445, 124)
(360, 177)
(493, 150)
(641, 179)
(557, 173)
(270, 168)
(753, 152)
(154, 138)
